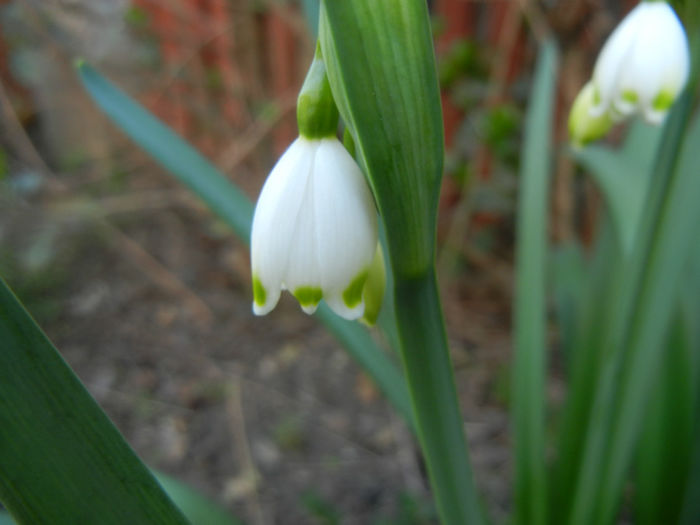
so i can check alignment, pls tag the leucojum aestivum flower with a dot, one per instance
(642, 68)
(315, 224)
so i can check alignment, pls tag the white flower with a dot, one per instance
(644, 64)
(314, 230)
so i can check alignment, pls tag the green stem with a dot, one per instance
(440, 425)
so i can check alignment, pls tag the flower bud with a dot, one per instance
(583, 126)
(643, 65)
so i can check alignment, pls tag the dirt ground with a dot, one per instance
(268, 416)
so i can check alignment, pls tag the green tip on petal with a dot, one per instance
(663, 101)
(630, 96)
(308, 296)
(353, 293)
(373, 291)
(259, 292)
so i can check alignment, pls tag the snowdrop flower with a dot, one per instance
(643, 66)
(314, 230)
(315, 223)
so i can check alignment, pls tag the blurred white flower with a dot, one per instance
(644, 64)
(314, 230)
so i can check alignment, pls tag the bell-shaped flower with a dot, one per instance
(643, 65)
(314, 230)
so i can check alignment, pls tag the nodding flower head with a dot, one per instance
(314, 230)
(643, 65)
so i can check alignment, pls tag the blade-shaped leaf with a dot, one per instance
(529, 372)
(666, 445)
(569, 272)
(584, 359)
(178, 157)
(311, 13)
(623, 176)
(662, 247)
(385, 85)
(198, 509)
(381, 68)
(62, 461)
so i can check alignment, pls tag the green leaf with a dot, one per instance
(61, 459)
(529, 372)
(311, 8)
(585, 352)
(691, 503)
(569, 272)
(173, 153)
(665, 450)
(222, 197)
(434, 397)
(385, 85)
(667, 234)
(381, 68)
(623, 176)
(690, 310)
(198, 509)
(324, 512)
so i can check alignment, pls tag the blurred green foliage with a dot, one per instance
(320, 509)
(289, 433)
(462, 59)
(501, 133)
(4, 168)
(137, 17)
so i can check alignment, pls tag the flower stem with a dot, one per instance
(430, 378)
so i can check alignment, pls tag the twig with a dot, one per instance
(125, 203)
(234, 410)
(536, 18)
(256, 132)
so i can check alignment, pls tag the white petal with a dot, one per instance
(643, 65)
(346, 227)
(272, 297)
(274, 220)
(612, 57)
(302, 270)
(659, 60)
(314, 230)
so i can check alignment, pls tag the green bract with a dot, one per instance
(317, 115)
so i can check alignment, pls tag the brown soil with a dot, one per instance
(268, 416)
